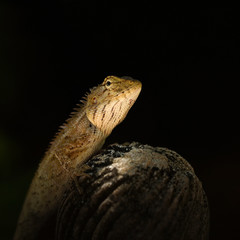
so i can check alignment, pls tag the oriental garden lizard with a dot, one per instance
(79, 138)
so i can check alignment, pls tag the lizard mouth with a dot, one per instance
(135, 93)
(131, 101)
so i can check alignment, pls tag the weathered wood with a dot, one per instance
(135, 191)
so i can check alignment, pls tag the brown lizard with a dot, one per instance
(82, 136)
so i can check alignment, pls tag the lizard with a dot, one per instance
(82, 136)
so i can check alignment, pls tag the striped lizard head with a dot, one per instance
(108, 104)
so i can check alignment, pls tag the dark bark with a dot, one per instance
(135, 191)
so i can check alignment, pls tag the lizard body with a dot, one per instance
(82, 136)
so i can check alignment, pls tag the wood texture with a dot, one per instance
(135, 191)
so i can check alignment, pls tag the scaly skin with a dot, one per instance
(82, 136)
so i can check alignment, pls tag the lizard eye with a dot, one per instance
(108, 83)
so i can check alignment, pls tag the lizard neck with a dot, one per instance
(76, 142)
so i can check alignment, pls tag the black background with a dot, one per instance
(187, 60)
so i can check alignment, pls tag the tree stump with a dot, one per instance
(135, 191)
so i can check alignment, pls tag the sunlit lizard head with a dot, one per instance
(109, 103)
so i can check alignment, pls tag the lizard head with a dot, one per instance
(108, 104)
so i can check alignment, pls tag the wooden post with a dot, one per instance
(135, 191)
